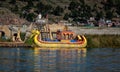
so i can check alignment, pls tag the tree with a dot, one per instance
(108, 5)
(99, 15)
(66, 17)
(118, 10)
(27, 0)
(109, 14)
(73, 5)
(40, 6)
(118, 7)
(82, 1)
(31, 17)
(43, 9)
(47, 9)
(30, 3)
(13, 2)
(16, 9)
(58, 11)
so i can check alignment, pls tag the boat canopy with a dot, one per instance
(65, 35)
(67, 32)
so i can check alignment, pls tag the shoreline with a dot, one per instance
(93, 41)
(96, 37)
(14, 44)
(95, 30)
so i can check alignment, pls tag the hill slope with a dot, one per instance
(63, 9)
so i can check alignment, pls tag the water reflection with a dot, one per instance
(42, 60)
(60, 60)
(103, 60)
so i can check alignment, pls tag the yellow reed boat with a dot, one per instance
(61, 39)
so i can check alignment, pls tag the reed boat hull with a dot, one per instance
(47, 44)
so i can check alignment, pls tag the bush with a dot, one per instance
(30, 41)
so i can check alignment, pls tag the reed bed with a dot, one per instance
(103, 41)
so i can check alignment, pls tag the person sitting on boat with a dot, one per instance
(58, 34)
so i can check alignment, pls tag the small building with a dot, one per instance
(5, 31)
(91, 21)
(102, 23)
(116, 22)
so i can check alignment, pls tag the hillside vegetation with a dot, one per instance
(55, 10)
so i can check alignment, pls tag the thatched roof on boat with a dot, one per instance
(55, 27)
(67, 32)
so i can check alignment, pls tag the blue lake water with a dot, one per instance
(59, 60)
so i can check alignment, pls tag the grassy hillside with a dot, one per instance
(63, 9)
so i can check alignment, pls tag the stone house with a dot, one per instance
(5, 31)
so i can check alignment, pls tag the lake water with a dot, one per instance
(59, 60)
